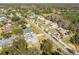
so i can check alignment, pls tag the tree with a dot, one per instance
(6, 34)
(17, 31)
(46, 46)
(15, 18)
(75, 39)
(19, 47)
(33, 51)
(1, 24)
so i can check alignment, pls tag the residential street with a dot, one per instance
(56, 40)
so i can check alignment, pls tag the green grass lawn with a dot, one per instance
(67, 39)
(35, 30)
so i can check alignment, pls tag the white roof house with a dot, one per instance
(47, 21)
(18, 14)
(54, 25)
(31, 38)
(63, 31)
(11, 15)
(41, 18)
(32, 15)
(2, 18)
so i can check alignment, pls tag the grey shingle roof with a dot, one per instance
(6, 41)
(28, 30)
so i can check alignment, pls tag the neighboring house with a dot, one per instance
(62, 31)
(6, 41)
(11, 15)
(54, 11)
(41, 17)
(46, 21)
(54, 25)
(28, 25)
(3, 17)
(18, 15)
(27, 31)
(58, 12)
(29, 36)
(32, 15)
(8, 28)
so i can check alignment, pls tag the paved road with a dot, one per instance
(55, 36)
(56, 40)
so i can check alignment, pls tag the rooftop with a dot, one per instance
(31, 38)
(27, 30)
(6, 41)
(2, 17)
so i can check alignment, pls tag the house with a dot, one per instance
(32, 15)
(54, 11)
(29, 35)
(41, 17)
(46, 21)
(8, 28)
(3, 17)
(28, 25)
(54, 25)
(6, 41)
(11, 15)
(58, 12)
(28, 31)
(18, 14)
(62, 31)
(31, 38)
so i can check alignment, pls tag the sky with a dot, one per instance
(39, 1)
